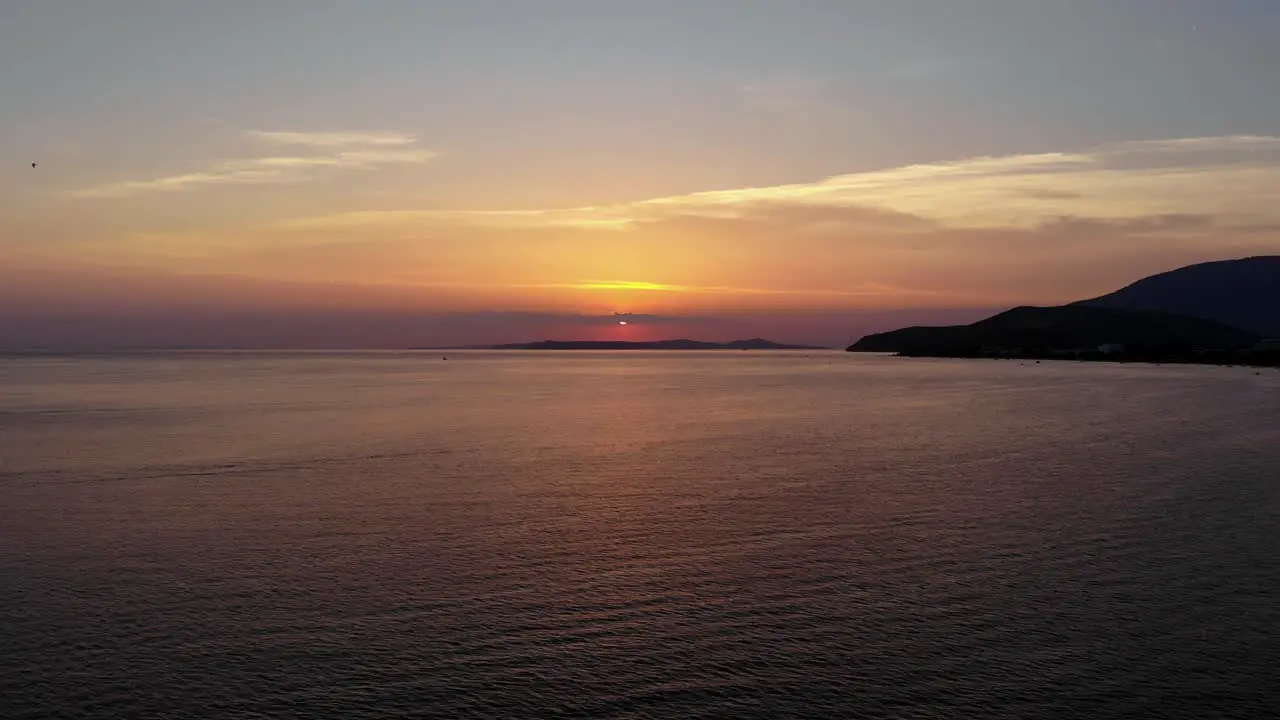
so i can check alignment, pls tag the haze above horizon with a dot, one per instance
(394, 172)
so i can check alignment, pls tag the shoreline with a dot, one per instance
(1214, 359)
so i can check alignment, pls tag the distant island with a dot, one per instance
(1213, 313)
(681, 344)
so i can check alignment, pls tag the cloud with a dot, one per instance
(1250, 143)
(366, 151)
(1228, 177)
(585, 217)
(334, 139)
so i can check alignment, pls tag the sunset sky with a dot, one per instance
(366, 173)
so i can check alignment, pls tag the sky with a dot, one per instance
(397, 173)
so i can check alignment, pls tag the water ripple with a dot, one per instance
(758, 537)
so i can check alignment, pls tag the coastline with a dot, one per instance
(1219, 359)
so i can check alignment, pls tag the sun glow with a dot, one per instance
(624, 285)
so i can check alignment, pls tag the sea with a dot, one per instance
(802, 534)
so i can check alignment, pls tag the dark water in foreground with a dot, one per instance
(731, 535)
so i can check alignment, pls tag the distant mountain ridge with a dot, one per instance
(1044, 330)
(1223, 307)
(680, 344)
(1243, 293)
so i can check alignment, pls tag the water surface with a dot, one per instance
(635, 535)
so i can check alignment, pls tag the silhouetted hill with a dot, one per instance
(1045, 331)
(681, 344)
(1243, 293)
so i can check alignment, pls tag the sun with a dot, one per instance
(622, 322)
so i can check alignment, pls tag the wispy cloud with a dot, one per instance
(364, 151)
(1227, 143)
(333, 139)
(602, 218)
(1229, 177)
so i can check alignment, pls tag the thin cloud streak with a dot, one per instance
(1223, 143)
(1223, 176)
(372, 151)
(333, 139)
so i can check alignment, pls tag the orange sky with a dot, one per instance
(978, 233)
(804, 164)
(988, 231)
